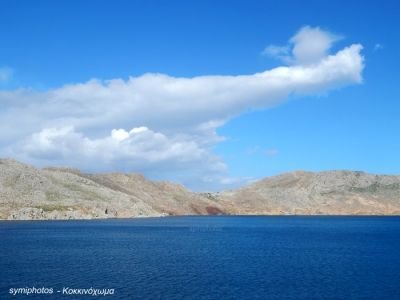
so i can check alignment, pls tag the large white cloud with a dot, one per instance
(139, 148)
(72, 124)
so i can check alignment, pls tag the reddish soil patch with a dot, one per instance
(212, 210)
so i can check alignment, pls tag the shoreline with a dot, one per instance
(200, 216)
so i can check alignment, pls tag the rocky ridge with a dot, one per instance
(322, 193)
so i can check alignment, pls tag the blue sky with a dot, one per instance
(344, 124)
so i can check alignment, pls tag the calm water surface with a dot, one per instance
(206, 257)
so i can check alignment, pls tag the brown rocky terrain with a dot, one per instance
(59, 193)
(322, 193)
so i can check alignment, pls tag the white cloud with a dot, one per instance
(174, 119)
(137, 149)
(6, 74)
(308, 46)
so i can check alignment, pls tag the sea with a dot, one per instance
(202, 257)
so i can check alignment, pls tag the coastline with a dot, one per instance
(205, 216)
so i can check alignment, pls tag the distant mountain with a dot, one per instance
(323, 193)
(61, 193)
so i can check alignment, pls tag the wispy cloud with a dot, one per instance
(6, 74)
(272, 152)
(378, 47)
(279, 52)
(258, 150)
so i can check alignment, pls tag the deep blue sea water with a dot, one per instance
(205, 257)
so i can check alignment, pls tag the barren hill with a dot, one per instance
(326, 193)
(58, 193)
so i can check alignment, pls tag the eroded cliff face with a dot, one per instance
(28, 193)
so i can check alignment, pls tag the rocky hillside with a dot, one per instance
(56, 193)
(323, 193)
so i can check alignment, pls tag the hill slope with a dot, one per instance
(55, 193)
(327, 193)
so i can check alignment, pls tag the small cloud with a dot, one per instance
(253, 150)
(236, 182)
(258, 150)
(378, 47)
(6, 74)
(272, 152)
(311, 44)
(308, 46)
(279, 52)
(218, 183)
